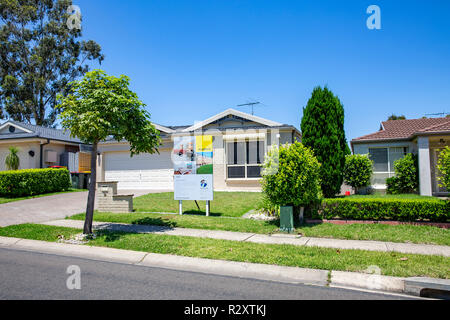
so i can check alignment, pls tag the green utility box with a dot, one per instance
(75, 180)
(287, 219)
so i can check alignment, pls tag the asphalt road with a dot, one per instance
(30, 276)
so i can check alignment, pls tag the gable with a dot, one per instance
(10, 128)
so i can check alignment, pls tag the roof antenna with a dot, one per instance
(442, 114)
(252, 104)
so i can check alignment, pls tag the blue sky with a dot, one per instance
(189, 60)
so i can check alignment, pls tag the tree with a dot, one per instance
(101, 106)
(291, 176)
(40, 55)
(406, 179)
(323, 131)
(12, 161)
(395, 117)
(444, 167)
(358, 171)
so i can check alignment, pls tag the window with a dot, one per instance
(245, 159)
(384, 159)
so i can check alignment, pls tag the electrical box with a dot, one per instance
(51, 156)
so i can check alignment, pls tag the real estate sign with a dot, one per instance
(193, 168)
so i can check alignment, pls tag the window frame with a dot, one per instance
(246, 164)
(391, 171)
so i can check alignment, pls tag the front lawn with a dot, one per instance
(231, 204)
(392, 264)
(7, 200)
(400, 233)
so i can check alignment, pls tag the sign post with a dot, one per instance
(193, 170)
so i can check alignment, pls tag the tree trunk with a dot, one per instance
(91, 198)
(301, 218)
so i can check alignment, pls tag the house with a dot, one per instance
(424, 137)
(41, 147)
(240, 142)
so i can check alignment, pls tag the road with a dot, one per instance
(29, 275)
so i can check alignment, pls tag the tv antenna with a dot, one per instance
(442, 114)
(250, 104)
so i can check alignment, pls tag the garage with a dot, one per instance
(143, 171)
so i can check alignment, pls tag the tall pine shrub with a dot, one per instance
(323, 131)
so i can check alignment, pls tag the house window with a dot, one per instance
(383, 162)
(244, 159)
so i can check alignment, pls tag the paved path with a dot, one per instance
(48, 208)
(37, 276)
(267, 239)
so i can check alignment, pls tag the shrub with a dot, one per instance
(12, 161)
(406, 178)
(323, 131)
(444, 168)
(33, 182)
(291, 176)
(434, 210)
(358, 171)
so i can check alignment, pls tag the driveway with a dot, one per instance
(50, 208)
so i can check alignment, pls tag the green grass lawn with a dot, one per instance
(392, 264)
(231, 204)
(401, 233)
(7, 199)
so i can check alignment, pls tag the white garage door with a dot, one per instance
(144, 171)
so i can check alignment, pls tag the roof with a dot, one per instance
(407, 129)
(234, 113)
(33, 131)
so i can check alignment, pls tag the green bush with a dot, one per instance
(358, 171)
(12, 161)
(291, 176)
(406, 178)
(386, 209)
(444, 168)
(33, 182)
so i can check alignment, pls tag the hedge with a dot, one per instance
(32, 182)
(410, 210)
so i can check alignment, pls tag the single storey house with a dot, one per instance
(41, 147)
(240, 143)
(424, 137)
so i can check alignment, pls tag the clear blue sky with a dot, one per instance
(189, 60)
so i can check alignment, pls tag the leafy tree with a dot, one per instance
(99, 107)
(40, 55)
(406, 178)
(291, 176)
(12, 161)
(395, 117)
(358, 171)
(444, 167)
(323, 131)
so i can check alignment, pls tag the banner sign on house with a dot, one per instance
(193, 168)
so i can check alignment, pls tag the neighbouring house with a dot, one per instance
(41, 147)
(424, 137)
(240, 143)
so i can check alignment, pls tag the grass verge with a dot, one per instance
(376, 232)
(392, 264)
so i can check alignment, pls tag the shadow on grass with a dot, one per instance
(163, 222)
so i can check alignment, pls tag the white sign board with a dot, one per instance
(194, 187)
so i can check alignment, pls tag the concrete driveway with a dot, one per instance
(50, 208)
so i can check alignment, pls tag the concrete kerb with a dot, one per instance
(218, 267)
